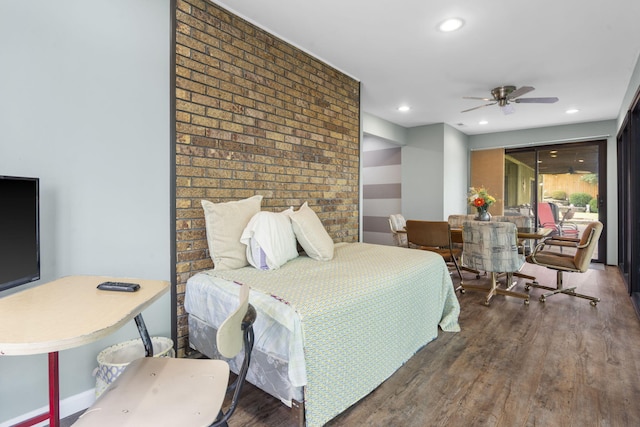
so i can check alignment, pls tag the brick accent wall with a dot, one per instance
(255, 115)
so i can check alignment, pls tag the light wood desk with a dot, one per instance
(66, 313)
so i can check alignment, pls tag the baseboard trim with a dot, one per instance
(68, 406)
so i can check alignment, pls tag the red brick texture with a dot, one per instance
(255, 115)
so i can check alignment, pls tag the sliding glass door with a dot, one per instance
(570, 177)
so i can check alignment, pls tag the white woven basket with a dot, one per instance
(114, 359)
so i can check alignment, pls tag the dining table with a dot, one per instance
(529, 233)
(533, 233)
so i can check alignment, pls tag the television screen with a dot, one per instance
(19, 231)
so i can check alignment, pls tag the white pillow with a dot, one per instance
(225, 223)
(311, 234)
(270, 240)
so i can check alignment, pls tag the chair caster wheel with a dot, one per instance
(526, 288)
(593, 303)
(462, 291)
(477, 276)
(486, 303)
(542, 299)
(526, 302)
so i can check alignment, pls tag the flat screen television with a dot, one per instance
(19, 231)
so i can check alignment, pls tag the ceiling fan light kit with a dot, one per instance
(504, 95)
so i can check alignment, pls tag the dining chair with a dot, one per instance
(456, 222)
(433, 236)
(525, 246)
(545, 256)
(156, 391)
(397, 225)
(492, 246)
(521, 221)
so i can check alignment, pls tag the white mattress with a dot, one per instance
(278, 331)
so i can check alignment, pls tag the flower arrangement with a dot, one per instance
(480, 199)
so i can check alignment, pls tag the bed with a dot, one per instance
(328, 333)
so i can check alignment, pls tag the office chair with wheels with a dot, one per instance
(155, 391)
(545, 256)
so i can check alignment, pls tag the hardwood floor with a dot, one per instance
(561, 363)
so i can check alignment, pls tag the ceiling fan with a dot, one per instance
(505, 95)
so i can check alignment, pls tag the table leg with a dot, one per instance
(54, 397)
(144, 334)
(54, 390)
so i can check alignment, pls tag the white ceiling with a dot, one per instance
(581, 51)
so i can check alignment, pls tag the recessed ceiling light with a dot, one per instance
(404, 108)
(451, 25)
(572, 111)
(483, 122)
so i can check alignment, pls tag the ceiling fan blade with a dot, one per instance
(480, 106)
(549, 100)
(520, 91)
(477, 97)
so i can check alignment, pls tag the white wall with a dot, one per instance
(86, 108)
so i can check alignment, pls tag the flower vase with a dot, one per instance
(483, 215)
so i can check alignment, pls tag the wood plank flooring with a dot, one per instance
(561, 363)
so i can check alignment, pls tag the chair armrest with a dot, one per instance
(565, 242)
(562, 241)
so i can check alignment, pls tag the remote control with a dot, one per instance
(119, 286)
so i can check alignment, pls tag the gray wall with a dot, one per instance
(85, 107)
(456, 172)
(435, 172)
(632, 90)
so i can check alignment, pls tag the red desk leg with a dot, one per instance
(54, 397)
(54, 390)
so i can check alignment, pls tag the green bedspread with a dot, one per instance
(363, 315)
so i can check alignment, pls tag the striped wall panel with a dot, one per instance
(381, 188)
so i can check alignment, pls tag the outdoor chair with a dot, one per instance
(547, 219)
